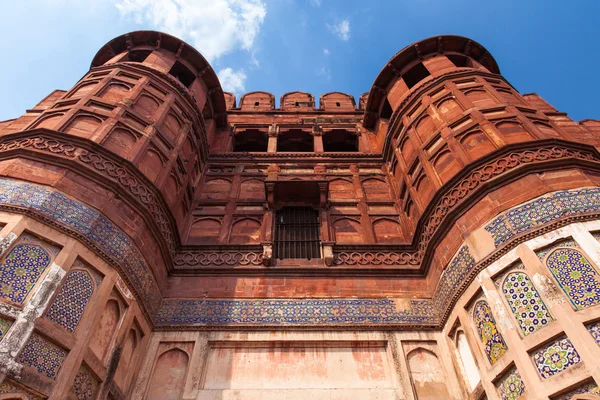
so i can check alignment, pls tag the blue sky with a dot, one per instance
(549, 47)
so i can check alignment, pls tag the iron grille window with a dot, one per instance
(297, 233)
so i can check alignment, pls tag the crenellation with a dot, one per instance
(163, 240)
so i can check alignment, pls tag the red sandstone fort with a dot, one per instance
(437, 238)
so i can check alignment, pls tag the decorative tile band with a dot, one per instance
(543, 210)
(90, 225)
(555, 357)
(93, 228)
(290, 312)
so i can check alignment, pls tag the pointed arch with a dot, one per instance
(21, 269)
(467, 360)
(576, 276)
(427, 375)
(493, 343)
(69, 305)
(168, 377)
(525, 302)
(106, 329)
(245, 231)
(348, 230)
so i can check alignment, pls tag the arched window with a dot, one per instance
(68, 306)
(576, 276)
(525, 303)
(468, 362)
(493, 343)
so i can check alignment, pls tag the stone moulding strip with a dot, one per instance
(484, 175)
(106, 239)
(90, 227)
(125, 177)
(481, 177)
(578, 205)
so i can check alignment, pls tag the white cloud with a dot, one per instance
(232, 81)
(325, 52)
(213, 27)
(325, 72)
(316, 2)
(342, 30)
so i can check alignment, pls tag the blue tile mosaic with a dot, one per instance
(68, 306)
(5, 325)
(555, 357)
(90, 224)
(8, 387)
(511, 386)
(585, 388)
(20, 270)
(576, 276)
(594, 330)
(42, 355)
(525, 303)
(543, 210)
(85, 384)
(494, 345)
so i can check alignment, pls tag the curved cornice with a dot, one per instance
(153, 40)
(434, 45)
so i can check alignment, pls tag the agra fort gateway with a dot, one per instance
(436, 238)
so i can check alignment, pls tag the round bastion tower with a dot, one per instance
(438, 240)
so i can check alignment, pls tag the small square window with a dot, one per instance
(256, 103)
(337, 104)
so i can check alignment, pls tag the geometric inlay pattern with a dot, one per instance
(91, 225)
(8, 387)
(555, 357)
(21, 269)
(543, 210)
(525, 302)
(85, 384)
(595, 331)
(511, 386)
(98, 231)
(586, 388)
(42, 355)
(493, 342)
(576, 276)
(291, 311)
(453, 277)
(5, 324)
(68, 306)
